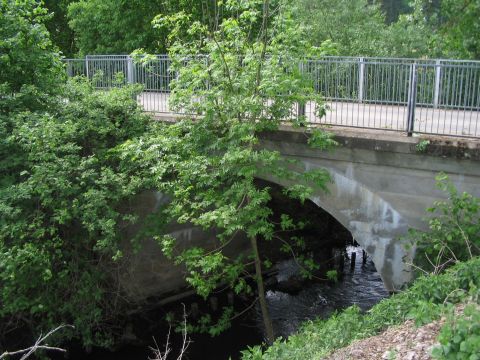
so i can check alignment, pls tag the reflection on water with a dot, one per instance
(361, 286)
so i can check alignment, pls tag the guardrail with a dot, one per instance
(409, 95)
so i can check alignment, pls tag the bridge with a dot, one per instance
(383, 180)
(382, 184)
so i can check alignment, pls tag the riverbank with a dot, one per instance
(404, 342)
(428, 299)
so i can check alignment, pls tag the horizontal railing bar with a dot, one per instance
(369, 60)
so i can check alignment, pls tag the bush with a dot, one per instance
(460, 336)
(454, 230)
(60, 215)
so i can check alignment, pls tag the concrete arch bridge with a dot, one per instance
(381, 186)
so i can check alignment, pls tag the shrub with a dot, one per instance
(60, 215)
(460, 336)
(454, 230)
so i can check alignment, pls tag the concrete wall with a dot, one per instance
(382, 186)
(146, 272)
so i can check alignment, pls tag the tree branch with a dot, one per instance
(38, 345)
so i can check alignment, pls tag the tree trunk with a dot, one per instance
(261, 292)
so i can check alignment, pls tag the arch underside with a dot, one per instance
(373, 222)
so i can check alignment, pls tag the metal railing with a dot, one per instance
(410, 95)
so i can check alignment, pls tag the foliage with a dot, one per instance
(61, 218)
(442, 29)
(422, 145)
(29, 65)
(120, 27)
(421, 28)
(326, 20)
(394, 8)
(460, 337)
(237, 81)
(460, 26)
(63, 188)
(454, 230)
(411, 36)
(428, 297)
(29, 73)
(114, 27)
(206, 325)
(332, 275)
(60, 33)
(411, 32)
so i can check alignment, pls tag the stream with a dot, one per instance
(360, 285)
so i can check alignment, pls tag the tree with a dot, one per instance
(119, 27)
(30, 70)
(114, 27)
(57, 25)
(357, 27)
(460, 26)
(412, 36)
(238, 78)
(394, 8)
(61, 219)
(454, 230)
(446, 29)
(29, 61)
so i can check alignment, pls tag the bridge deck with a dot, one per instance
(442, 121)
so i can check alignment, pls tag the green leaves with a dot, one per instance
(61, 217)
(28, 59)
(326, 18)
(299, 191)
(208, 326)
(460, 337)
(237, 78)
(454, 233)
(321, 140)
(332, 275)
(110, 27)
(428, 298)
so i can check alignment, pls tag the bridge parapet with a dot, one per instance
(426, 96)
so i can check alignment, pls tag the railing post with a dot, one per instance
(301, 109)
(70, 64)
(86, 67)
(130, 70)
(412, 99)
(361, 78)
(438, 72)
(301, 105)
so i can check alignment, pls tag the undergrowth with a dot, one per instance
(427, 299)
(459, 338)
